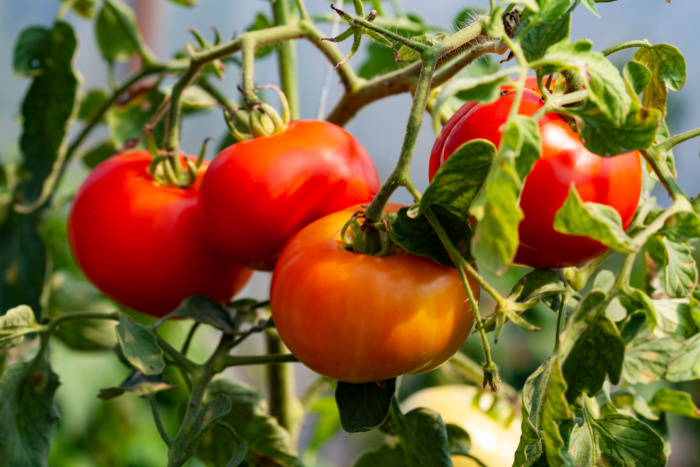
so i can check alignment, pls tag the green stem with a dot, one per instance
(302, 10)
(179, 358)
(188, 340)
(242, 360)
(159, 422)
(280, 382)
(561, 319)
(462, 265)
(663, 172)
(626, 45)
(286, 53)
(401, 173)
(674, 141)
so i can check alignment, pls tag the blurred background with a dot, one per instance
(121, 432)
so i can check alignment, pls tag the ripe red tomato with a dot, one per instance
(615, 181)
(258, 193)
(141, 243)
(360, 318)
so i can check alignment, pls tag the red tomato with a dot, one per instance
(615, 181)
(258, 193)
(359, 318)
(141, 243)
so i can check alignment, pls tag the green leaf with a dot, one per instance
(597, 221)
(328, 423)
(127, 122)
(647, 357)
(668, 71)
(548, 30)
(380, 60)
(207, 418)
(458, 181)
(538, 285)
(386, 454)
(116, 31)
(15, 324)
(28, 413)
(607, 138)
(680, 273)
(423, 437)
(259, 438)
(364, 406)
(637, 76)
(91, 102)
(23, 260)
(30, 50)
(591, 347)
(617, 440)
(686, 365)
(607, 89)
(682, 226)
(206, 311)
(544, 407)
(139, 384)
(48, 105)
(495, 239)
(665, 317)
(418, 236)
(458, 440)
(677, 402)
(99, 153)
(140, 346)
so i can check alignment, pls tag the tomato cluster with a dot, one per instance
(613, 181)
(149, 245)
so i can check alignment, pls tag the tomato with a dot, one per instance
(258, 193)
(614, 181)
(141, 243)
(360, 318)
(492, 442)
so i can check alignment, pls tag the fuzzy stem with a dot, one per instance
(287, 60)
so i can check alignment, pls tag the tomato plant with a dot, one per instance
(386, 316)
(141, 243)
(614, 181)
(287, 180)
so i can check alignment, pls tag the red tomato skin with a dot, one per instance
(360, 318)
(258, 193)
(141, 243)
(615, 181)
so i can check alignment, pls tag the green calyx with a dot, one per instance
(263, 119)
(174, 170)
(363, 236)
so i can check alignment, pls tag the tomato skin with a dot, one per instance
(258, 193)
(141, 243)
(615, 181)
(360, 318)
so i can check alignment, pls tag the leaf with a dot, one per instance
(207, 418)
(665, 317)
(206, 311)
(116, 31)
(485, 88)
(686, 365)
(607, 89)
(459, 179)
(668, 71)
(680, 273)
(28, 413)
(597, 221)
(91, 102)
(607, 138)
(677, 402)
(99, 153)
(23, 260)
(127, 122)
(458, 440)
(647, 357)
(544, 407)
(258, 435)
(540, 284)
(591, 347)
(139, 384)
(140, 346)
(29, 50)
(364, 406)
(418, 236)
(682, 226)
(617, 440)
(637, 76)
(407, 54)
(423, 437)
(328, 423)
(552, 25)
(85, 8)
(385, 454)
(48, 105)
(380, 60)
(495, 239)
(15, 324)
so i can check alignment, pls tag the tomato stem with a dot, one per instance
(158, 420)
(626, 45)
(561, 319)
(284, 405)
(286, 54)
(655, 158)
